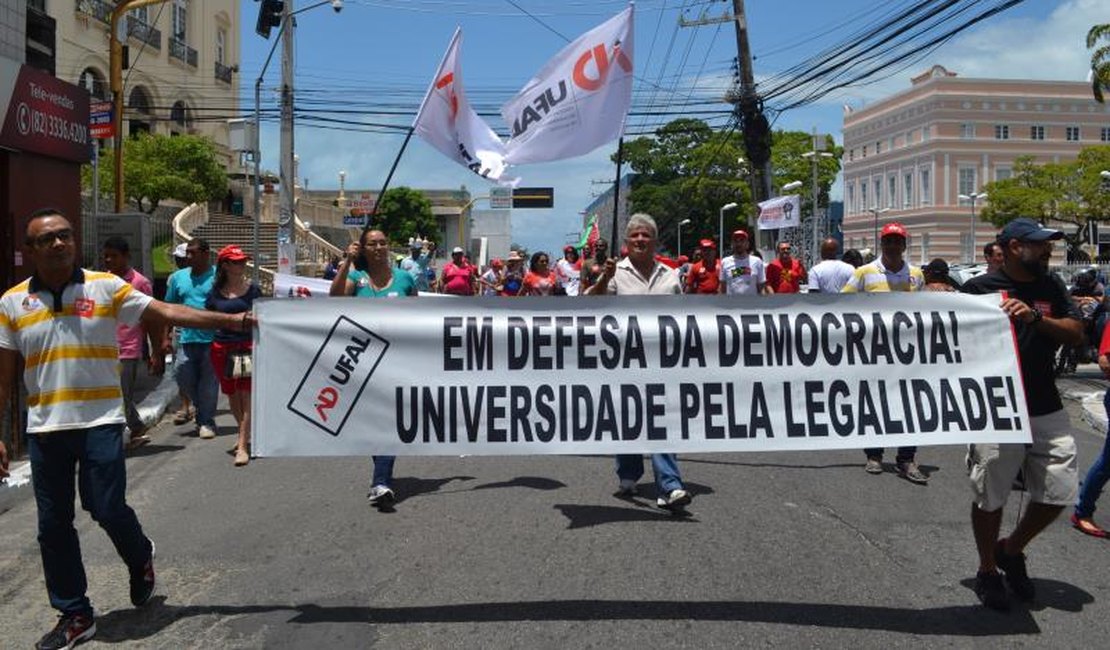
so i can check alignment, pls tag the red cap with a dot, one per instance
(894, 228)
(739, 234)
(707, 243)
(569, 249)
(496, 262)
(232, 253)
(682, 259)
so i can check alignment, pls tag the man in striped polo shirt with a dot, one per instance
(890, 272)
(62, 321)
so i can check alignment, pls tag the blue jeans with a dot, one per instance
(97, 454)
(196, 378)
(383, 471)
(1096, 476)
(664, 466)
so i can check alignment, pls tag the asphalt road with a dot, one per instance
(777, 550)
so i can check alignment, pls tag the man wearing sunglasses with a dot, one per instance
(62, 321)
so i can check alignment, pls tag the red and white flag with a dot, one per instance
(447, 122)
(578, 101)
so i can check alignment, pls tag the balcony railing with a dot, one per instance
(223, 72)
(148, 34)
(182, 52)
(98, 9)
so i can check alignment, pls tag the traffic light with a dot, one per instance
(269, 15)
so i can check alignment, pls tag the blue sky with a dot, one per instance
(388, 50)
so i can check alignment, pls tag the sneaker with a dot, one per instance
(1014, 568)
(874, 466)
(142, 581)
(627, 488)
(1087, 526)
(241, 457)
(183, 416)
(674, 499)
(380, 495)
(206, 432)
(70, 630)
(991, 591)
(912, 473)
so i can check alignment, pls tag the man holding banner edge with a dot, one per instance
(1043, 317)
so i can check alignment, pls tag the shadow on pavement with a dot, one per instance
(706, 461)
(1051, 594)
(409, 486)
(532, 482)
(152, 449)
(584, 516)
(967, 620)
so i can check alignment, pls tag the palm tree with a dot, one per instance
(1100, 59)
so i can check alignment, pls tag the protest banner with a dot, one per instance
(603, 375)
(299, 286)
(780, 212)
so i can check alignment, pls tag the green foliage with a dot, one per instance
(160, 167)
(1069, 192)
(688, 171)
(404, 213)
(1100, 59)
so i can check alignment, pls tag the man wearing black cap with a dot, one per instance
(1043, 317)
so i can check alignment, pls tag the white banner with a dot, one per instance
(604, 375)
(780, 212)
(298, 286)
(578, 101)
(447, 122)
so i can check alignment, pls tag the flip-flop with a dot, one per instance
(1088, 527)
(138, 441)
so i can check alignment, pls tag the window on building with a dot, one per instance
(924, 134)
(1001, 131)
(891, 190)
(864, 151)
(965, 182)
(179, 19)
(851, 197)
(907, 189)
(1002, 173)
(877, 186)
(967, 131)
(1104, 134)
(141, 14)
(851, 155)
(878, 148)
(94, 82)
(1036, 132)
(1071, 133)
(890, 145)
(179, 114)
(863, 204)
(926, 188)
(221, 45)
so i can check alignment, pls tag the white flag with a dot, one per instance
(780, 212)
(578, 101)
(447, 122)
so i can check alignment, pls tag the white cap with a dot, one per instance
(457, 249)
(180, 251)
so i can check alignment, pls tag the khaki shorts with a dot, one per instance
(1049, 466)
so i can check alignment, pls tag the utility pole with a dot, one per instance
(287, 232)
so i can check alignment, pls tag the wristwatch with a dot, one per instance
(1038, 315)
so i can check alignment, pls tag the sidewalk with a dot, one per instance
(155, 394)
(1087, 386)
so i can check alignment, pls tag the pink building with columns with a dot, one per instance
(914, 153)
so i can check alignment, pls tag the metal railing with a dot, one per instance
(223, 72)
(148, 34)
(182, 52)
(98, 9)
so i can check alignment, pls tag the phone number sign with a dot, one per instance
(42, 114)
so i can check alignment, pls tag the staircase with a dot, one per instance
(224, 229)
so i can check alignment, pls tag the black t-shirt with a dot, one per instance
(1036, 351)
(236, 305)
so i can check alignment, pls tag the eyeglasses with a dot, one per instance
(47, 238)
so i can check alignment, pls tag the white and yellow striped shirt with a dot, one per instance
(69, 348)
(874, 277)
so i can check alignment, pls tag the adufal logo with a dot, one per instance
(547, 99)
(331, 387)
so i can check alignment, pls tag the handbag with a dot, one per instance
(238, 364)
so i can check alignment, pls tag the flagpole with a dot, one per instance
(617, 196)
(408, 134)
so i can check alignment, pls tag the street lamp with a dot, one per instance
(876, 212)
(721, 222)
(679, 229)
(792, 185)
(286, 20)
(973, 197)
(814, 156)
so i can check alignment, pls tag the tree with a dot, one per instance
(160, 167)
(1069, 193)
(688, 171)
(404, 213)
(1100, 59)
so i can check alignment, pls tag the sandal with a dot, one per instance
(183, 416)
(1087, 526)
(241, 457)
(138, 441)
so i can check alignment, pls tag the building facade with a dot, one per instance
(182, 56)
(911, 156)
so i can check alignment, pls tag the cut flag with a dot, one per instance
(578, 101)
(447, 122)
(590, 234)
